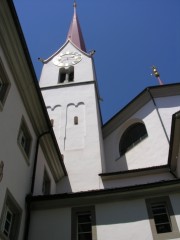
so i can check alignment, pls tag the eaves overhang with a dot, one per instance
(135, 172)
(103, 195)
(21, 67)
(61, 49)
(138, 102)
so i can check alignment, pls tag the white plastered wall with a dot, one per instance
(153, 150)
(167, 107)
(17, 171)
(83, 70)
(50, 224)
(121, 219)
(80, 144)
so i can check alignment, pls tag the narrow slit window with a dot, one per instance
(52, 122)
(75, 120)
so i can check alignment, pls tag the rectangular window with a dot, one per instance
(24, 139)
(83, 223)
(46, 187)
(162, 219)
(10, 218)
(7, 223)
(4, 85)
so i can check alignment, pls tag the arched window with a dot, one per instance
(66, 75)
(62, 75)
(132, 136)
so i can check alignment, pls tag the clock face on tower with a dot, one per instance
(67, 59)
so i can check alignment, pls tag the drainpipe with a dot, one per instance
(28, 197)
(158, 114)
(170, 170)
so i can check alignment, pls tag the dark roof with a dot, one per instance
(104, 192)
(139, 101)
(75, 33)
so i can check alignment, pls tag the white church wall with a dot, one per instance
(80, 144)
(151, 151)
(82, 73)
(167, 107)
(123, 220)
(55, 116)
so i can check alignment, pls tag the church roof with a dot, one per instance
(75, 33)
(139, 101)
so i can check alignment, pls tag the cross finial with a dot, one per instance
(156, 74)
(74, 4)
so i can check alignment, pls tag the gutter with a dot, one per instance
(28, 204)
(102, 192)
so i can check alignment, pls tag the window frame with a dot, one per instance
(11, 205)
(77, 211)
(5, 85)
(24, 134)
(166, 201)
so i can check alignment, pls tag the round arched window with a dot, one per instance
(132, 136)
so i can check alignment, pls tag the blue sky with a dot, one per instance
(129, 36)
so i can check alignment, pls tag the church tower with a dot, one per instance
(68, 84)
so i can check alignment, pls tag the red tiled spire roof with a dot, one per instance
(75, 34)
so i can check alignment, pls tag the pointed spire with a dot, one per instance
(75, 34)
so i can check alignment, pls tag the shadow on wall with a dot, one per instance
(64, 186)
(128, 211)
